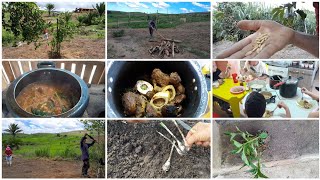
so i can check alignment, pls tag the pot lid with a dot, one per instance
(291, 80)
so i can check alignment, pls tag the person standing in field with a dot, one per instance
(152, 27)
(8, 153)
(85, 153)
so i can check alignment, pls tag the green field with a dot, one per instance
(55, 146)
(117, 19)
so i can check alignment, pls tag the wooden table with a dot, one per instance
(223, 93)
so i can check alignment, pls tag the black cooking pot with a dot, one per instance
(47, 72)
(273, 80)
(123, 75)
(289, 86)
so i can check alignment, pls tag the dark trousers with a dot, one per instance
(85, 167)
(151, 31)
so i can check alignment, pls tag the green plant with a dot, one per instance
(24, 20)
(100, 7)
(14, 142)
(64, 29)
(249, 147)
(119, 33)
(49, 8)
(13, 129)
(42, 152)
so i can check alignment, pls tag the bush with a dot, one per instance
(43, 152)
(91, 18)
(14, 142)
(119, 33)
(68, 153)
(7, 37)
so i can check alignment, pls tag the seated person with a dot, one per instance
(314, 96)
(255, 106)
(258, 72)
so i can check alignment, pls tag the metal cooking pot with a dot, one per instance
(273, 80)
(269, 97)
(123, 75)
(47, 72)
(289, 86)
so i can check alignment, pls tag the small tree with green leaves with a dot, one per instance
(13, 129)
(101, 8)
(50, 7)
(24, 20)
(249, 147)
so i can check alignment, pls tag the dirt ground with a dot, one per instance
(290, 52)
(77, 48)
(138, 151)
(135, 42)
(41, 168)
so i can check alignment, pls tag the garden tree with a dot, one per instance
(24, 20)
(13, 129)
(94, 125)
(63, 30)
(50, 7)
(100, 7)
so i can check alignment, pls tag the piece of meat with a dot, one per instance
(150, 111)
(169, 110)
(180, 89)
(175, 78)
(129, 102)
(178, 99)
(141, 106)
(160, 78)
(150, 94)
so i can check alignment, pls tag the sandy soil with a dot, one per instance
(41, 168)
(135, 43)
(290, 52)
(77, 48)
(137, 151)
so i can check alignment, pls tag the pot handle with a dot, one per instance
(46, 64)
(278, 84)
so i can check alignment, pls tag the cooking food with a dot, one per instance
(162, 99)
(268, 114)
(46, 99)
(305, 104)
(237, 89)
(144, 87)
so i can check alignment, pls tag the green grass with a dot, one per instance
(140, 20)
(48, 145)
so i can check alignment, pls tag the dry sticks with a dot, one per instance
(166, 48)
(259, 44)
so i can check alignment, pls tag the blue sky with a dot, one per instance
(162, 7)
(45, 125)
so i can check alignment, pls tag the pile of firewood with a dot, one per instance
(167, 48)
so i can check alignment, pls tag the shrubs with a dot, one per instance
(91, 18)
(43, 152)
(14, 142)
(119, 33)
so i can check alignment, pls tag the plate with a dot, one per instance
(299, 103)
(237, 90)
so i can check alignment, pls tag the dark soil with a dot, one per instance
(138, 151)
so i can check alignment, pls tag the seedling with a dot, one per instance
(250, 150)
(166, 165)
(184, 139)
(177, 148)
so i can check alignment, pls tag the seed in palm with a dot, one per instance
(259, 44)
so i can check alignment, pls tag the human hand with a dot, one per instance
(200, 134)
(281, 104)
(305, 90)
(279, 37)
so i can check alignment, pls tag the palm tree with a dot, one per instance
(49, 7)
(100, 8)
(13, 129)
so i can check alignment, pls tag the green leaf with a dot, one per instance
(236, 143)
(263, 135)
(244, 157)
(244, 136)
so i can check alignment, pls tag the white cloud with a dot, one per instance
(44, 126)
(136, 5)
(201, 5)
(68, 5)
(161, 5)
(184, 10)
